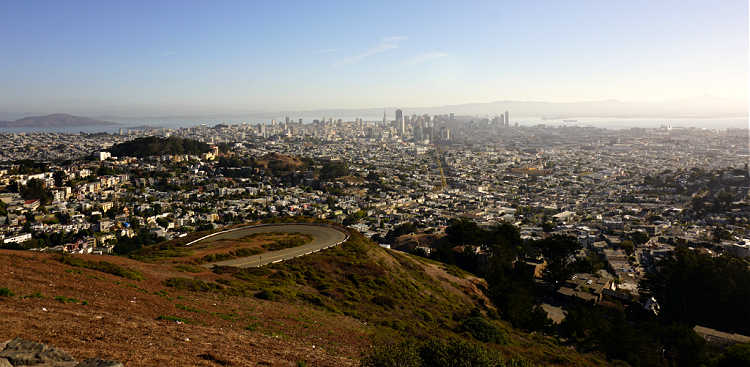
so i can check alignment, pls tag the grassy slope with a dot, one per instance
(339, 300)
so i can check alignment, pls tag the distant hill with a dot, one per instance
(153, 145)
(55, 120)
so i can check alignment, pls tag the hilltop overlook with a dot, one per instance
(324, 309)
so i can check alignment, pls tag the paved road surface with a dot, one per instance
(323, 237)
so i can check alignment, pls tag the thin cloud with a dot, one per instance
(388, 43)
(425, 57)
(325, 51)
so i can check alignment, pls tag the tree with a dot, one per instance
(372, 176)
(153, 145)
(547, 226)
(35, 189)
(464, 231)
(639, 237)
(59, 177)
(558, 250)
(399, 230)
(63, 217)
(694, 288)
(334, 169)
(737, 355)
(627, 246)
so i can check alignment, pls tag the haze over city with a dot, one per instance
(139, 59)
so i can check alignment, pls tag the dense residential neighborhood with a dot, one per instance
(543, 179)
(620, 201)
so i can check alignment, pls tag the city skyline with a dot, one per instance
(191, 58)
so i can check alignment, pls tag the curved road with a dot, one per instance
(323, 238)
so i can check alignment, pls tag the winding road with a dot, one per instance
(323, 238)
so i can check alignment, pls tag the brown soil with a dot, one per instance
(119, 319)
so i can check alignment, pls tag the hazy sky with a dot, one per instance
(224, 56)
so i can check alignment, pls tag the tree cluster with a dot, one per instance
(156, 146)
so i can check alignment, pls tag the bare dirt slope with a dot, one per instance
(109, 316)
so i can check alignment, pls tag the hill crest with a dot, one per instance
(54, 120)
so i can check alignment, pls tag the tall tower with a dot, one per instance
(507, 119)
(400, 123)
(384, 119)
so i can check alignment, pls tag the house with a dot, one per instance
(585, 287)
(18, 239)
(31, 204)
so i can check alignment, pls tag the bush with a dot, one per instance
(63, 299)
(190, 268)
(735, 356)
(483, 330)
(384, 301)
(194, 285)
(267, 295)
(457, 352)
(272, 294)
(5, 292)
(393, 355)
(101, 266)
(437, 353)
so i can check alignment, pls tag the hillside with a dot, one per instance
(154, 145)
(324, 309)
(54, 120)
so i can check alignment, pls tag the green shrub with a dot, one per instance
(188, 308)
(63, 299)
(483, 330)
(194, 285)
(393, 355)
(102, 266)
(5, 292)
(267, 295)
(736, 355)
(437, 353)
(384, 301)
(190, 268)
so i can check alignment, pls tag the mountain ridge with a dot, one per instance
(54, 120)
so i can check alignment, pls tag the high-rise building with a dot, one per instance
(507, 118)
(445, 134)
(400, 123)
(502, 120)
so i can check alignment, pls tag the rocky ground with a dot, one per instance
(23, 353)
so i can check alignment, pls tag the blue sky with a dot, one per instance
(224, 56)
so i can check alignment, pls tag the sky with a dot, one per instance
(182, 57)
